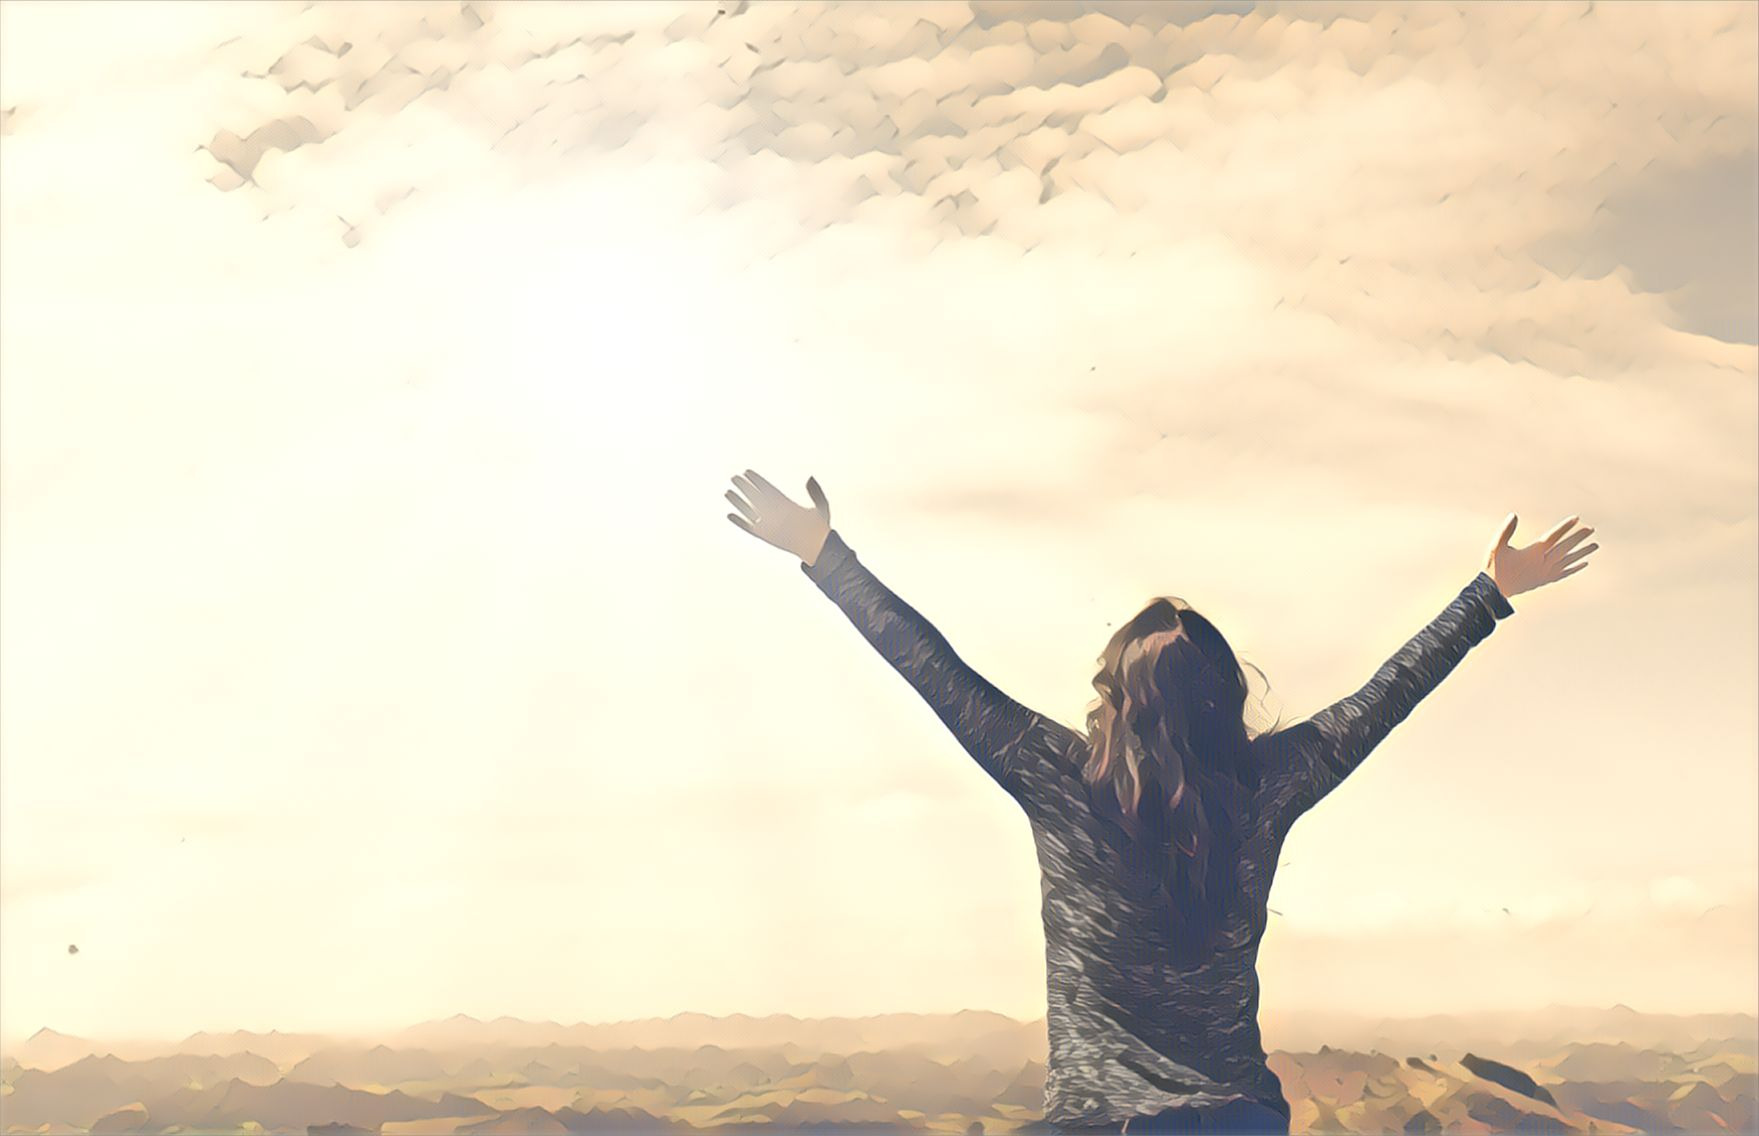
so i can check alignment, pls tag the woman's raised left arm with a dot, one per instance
(989, 725)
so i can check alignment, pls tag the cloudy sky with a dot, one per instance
(373, 646)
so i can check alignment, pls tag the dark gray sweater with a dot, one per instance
(1129, 1032)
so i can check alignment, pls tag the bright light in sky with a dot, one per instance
(374, 647)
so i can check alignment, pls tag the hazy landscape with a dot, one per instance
(1554, 1070)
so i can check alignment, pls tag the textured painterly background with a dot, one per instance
(374, 646)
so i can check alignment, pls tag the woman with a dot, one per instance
(1158, 829)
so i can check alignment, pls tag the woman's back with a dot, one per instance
(1131, 1026)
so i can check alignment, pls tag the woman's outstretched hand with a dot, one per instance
(1546, 561)
(771, 517)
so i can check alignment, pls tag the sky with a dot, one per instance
(374, 646)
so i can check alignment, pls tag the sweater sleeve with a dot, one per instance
(1346, 732)
(989, 725)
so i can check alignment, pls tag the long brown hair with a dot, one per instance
(1169, 740)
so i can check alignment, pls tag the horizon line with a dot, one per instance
(8, 1041)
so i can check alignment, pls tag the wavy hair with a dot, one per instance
(1169, 739)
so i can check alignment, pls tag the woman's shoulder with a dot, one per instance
(1066, 744)
(1283, 758)
(1052, 763)
(1278, 747)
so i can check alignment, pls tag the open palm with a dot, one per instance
(1546, 561)
(770, 516)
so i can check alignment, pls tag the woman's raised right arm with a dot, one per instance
(988, 725)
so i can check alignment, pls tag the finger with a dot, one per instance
(753, 492)
(1569, 542)
(1508, 530)
(818, 497)
(741, 522)
(739, 503)
(758, 479)
(1558, 530)
(1579, 554)
(1573, 571)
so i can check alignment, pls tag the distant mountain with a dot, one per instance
(356, 1067)
(456, 1104)
(949, 1034)
(476, 1070)
(461, 1031)
(337, 1130)
(49, 1050)
(129, 1120)
(1517, 1033)
(519, 1122)
(1026, 1088)
(287, 1104)
(1634, 1104)
(1698, 1107)
(199, 1069)
(81, 1092)
(76, 1094)
(616, 1120)
(284, 1049)
(1507, 1076)
(798, 1113)
(566, 1121)
(1598, 1061)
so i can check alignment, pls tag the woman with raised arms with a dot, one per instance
(1158, 828)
